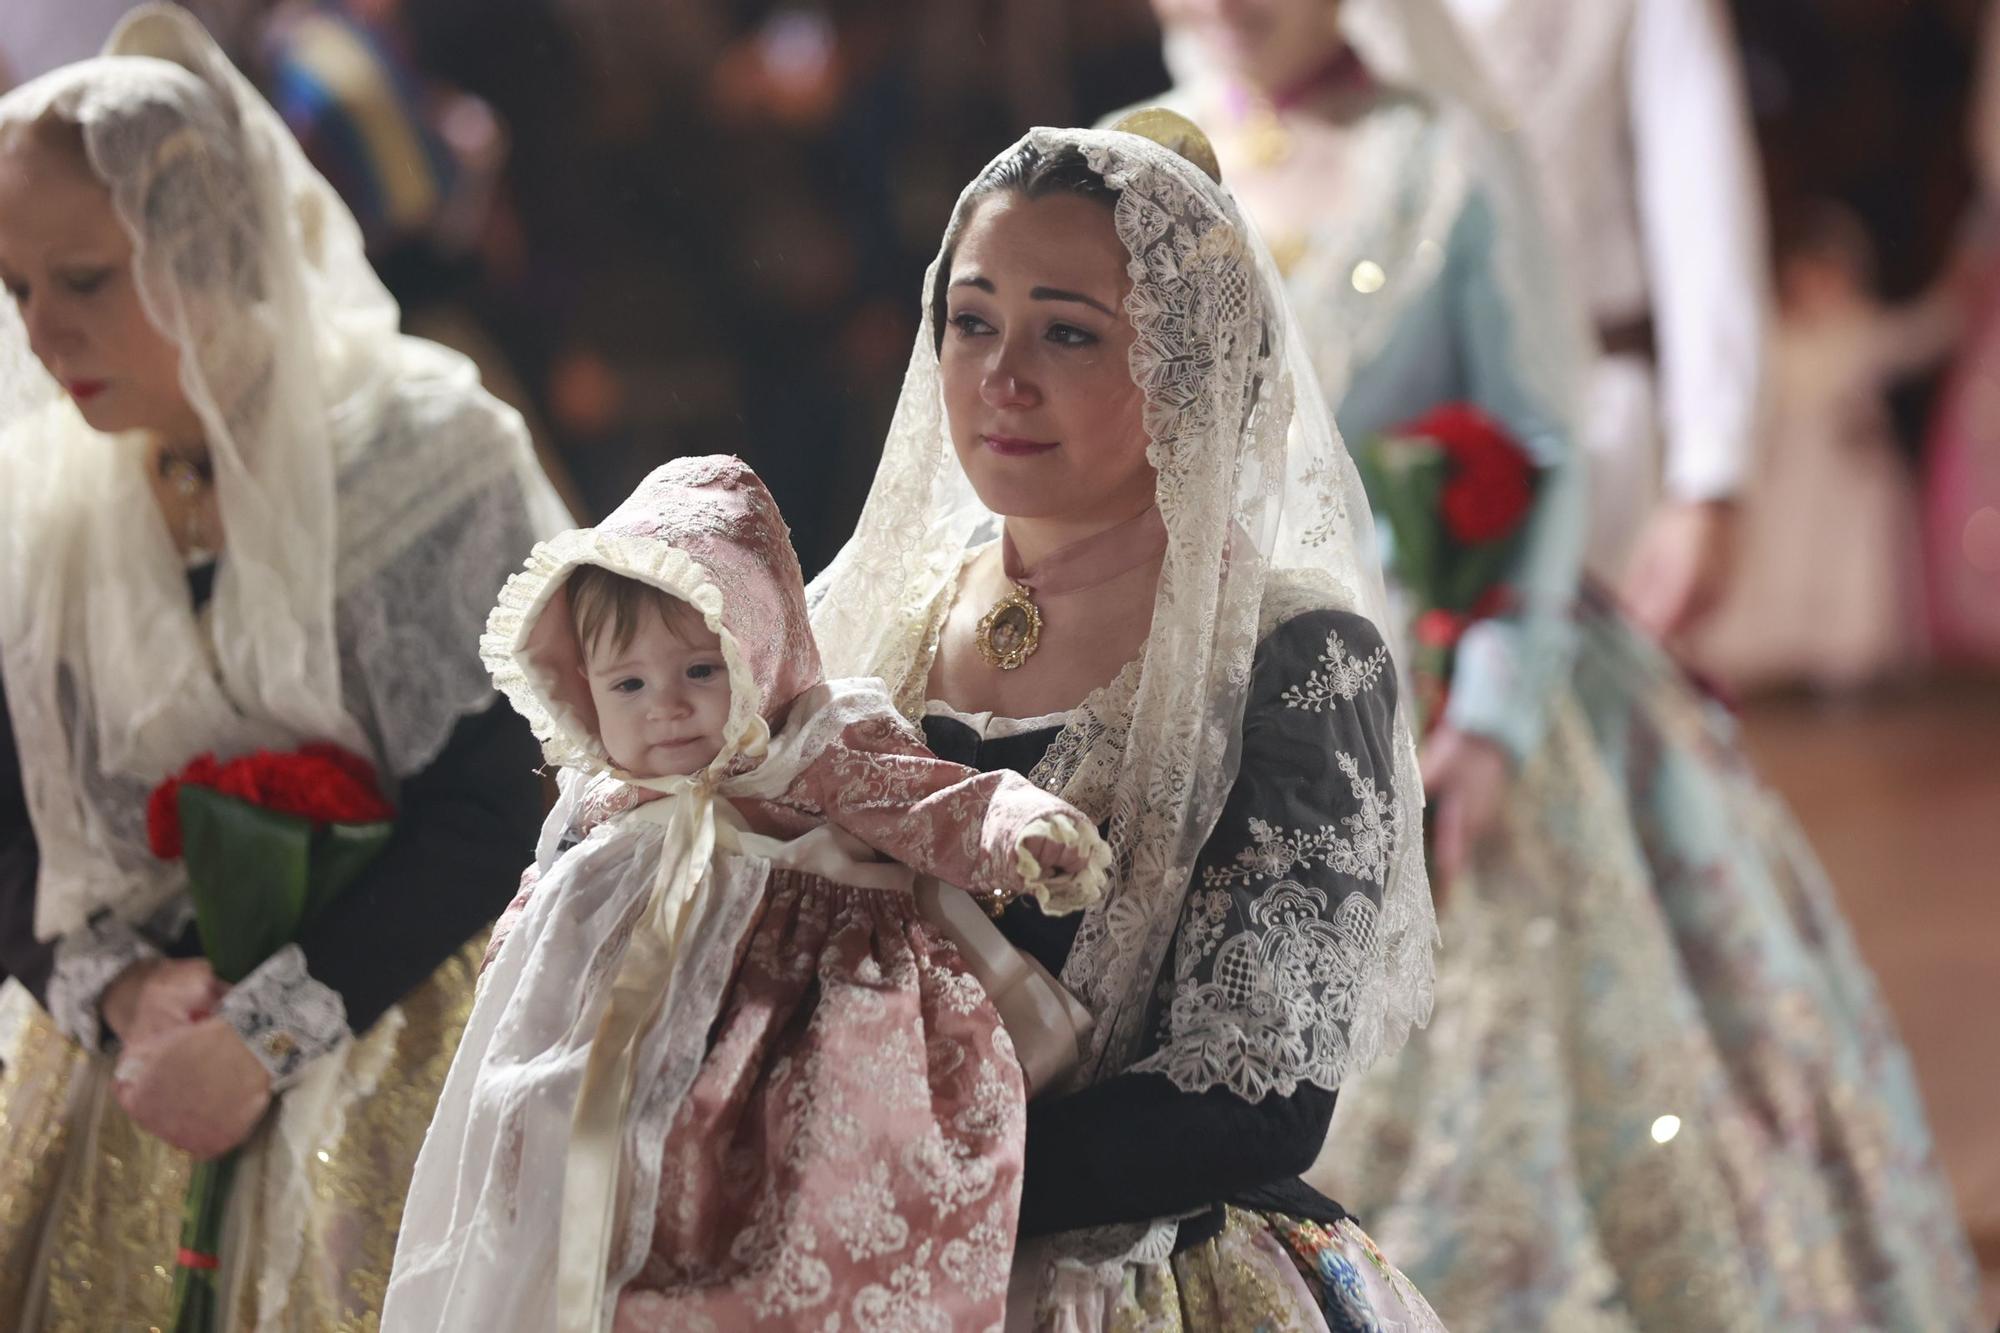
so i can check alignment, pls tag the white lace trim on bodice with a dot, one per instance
(993, 727)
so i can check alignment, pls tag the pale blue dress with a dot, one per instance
(1660, 1091)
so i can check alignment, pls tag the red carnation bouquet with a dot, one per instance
(1455, 490)
(268, 840)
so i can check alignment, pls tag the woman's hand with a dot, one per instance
(1681, 567)
(152, 998)
(1466, 778)
(198, 1087)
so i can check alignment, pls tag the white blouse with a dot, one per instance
(1635, 113)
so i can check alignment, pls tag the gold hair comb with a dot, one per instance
(1173, 131)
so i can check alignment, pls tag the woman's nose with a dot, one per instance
(52, 335)
(1004, 386)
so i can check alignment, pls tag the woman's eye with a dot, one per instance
(970, 324)
(83, 284)
(1069, 335)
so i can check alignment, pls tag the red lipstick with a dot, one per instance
(84, 390)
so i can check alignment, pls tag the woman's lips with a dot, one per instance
(1011, 446)
(84, 390)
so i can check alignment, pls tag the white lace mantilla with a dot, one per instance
(1265, 520)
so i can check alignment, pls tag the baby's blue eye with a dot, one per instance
(702, 671)
(629, 685)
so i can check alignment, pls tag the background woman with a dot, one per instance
(238, 512)
(1661, 1091)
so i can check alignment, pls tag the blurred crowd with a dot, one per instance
(678, 228)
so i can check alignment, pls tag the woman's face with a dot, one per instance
(1044, 414)
(1269, 44)
(67, 263)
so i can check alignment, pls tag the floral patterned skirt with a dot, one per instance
(90, 1205)
(849, 1154)
(1262, 1271)
(1660, 1091)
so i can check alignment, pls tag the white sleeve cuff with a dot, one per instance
(87, 962)
(286, 1018)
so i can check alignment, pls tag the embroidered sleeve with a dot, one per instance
(1275, 960)
(286, 1018)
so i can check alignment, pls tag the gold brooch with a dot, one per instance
(1009, 634)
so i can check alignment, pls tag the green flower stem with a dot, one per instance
(198, 1291)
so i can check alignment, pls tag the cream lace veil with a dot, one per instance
(354, 468)
(1265, 518)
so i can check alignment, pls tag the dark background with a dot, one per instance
(713, 215)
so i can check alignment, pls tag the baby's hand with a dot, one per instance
(1056, 858)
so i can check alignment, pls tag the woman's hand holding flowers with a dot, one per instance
(184, 1075)
(196, 1086)
(158, 995)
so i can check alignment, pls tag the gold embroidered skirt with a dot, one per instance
(90, 1205)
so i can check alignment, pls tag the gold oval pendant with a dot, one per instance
(1009, 634)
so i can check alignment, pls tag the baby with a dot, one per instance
(726, 1067)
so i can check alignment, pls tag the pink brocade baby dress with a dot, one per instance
(818, 1119)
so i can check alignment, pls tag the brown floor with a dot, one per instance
(1902, 799)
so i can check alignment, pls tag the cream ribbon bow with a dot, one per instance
(694, 818)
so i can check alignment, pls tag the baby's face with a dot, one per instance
(662, 700)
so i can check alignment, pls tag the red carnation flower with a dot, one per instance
(1467, 434)
(348, 762)
(1482, 505)
(322, 783)
(163, 820)
(1440, 629)
(1490, 488)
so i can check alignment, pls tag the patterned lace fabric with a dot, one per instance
(1280, 932)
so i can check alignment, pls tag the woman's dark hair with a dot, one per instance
(1032, 174)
